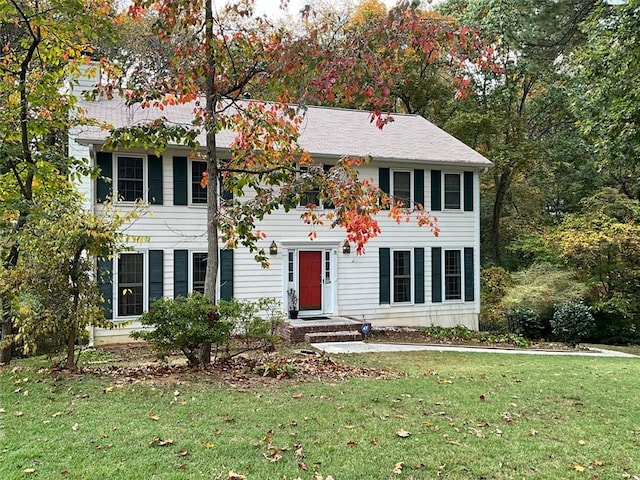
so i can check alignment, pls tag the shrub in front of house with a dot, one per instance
(185, 324)
(572, 322)
(525, 321)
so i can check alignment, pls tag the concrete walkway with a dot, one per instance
(365, 347)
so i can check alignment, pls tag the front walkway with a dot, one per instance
(365, 347)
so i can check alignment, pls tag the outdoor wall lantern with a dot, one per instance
(346, 247)
(273, 249)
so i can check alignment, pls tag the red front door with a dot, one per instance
(310, 280)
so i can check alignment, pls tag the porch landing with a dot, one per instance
(320, 330)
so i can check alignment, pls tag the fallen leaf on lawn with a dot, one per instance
(349, 427)
(498, 431)
(57, 414)
(154, 416)
(581, 442)
(26, 393)
(397, 468)
(402, 433)
(374, 441)
(209, 444)
(303, 466)
(64, 472)
(2, 410)
(183, 453)
(299, 453)
(29, 470)
(578, 468)
(235, 476)
(351, 443)
(161, 442)
(534, 432)
(74, 427)
(454, 442)
(18, 414)
(108, 389)
(420, 466)
(597, 463)
(273, 456)
(297, 395)
(182, 466)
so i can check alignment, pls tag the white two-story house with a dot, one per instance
(406, 277)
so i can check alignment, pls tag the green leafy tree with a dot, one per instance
(605, 94)
(42, 44)
(52, 292)
(602, 243)
(519, 117)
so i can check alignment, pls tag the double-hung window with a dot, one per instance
(130, 284)
(401, 276)
(452, 191)
(198, 193)
(314, 196)
(130, 175)
(401, 187)
(452, 275)
(199, 272)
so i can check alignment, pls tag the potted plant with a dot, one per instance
(292, 303)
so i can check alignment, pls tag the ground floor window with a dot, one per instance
(401, 276)
(452, 275)
(130, 284)
(199, 272)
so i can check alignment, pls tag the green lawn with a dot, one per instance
(467, 416)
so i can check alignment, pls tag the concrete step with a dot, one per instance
(336, 336)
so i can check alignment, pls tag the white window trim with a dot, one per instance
(145, 283)
(145, 178)
(461, 194)
(444, 276)
(412, 277)
(411, 184)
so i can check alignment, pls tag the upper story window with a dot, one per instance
(452, 191)
(198, 194)
(130, 178)
(401, 187)
(314, 196)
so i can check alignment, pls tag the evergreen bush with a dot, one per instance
(572, 322)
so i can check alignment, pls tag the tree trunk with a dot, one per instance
(212, 99)
(502, 183)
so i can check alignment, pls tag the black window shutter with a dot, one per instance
(226, 274)
(418, 186)
(418, 261)
(436, 274)
(180, 273)
(469, 287)
(105, 285)
(436, 190)
(385, 275)
(155, 180)
(468, 191)
(383, 181)
(104, 181)
(156, 273)
(180, 181)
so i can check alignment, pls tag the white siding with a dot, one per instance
(172, 227)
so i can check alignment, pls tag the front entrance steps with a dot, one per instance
(331, 329)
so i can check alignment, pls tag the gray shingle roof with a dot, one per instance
(331, 132)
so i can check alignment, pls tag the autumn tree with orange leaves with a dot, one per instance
(221, 55)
